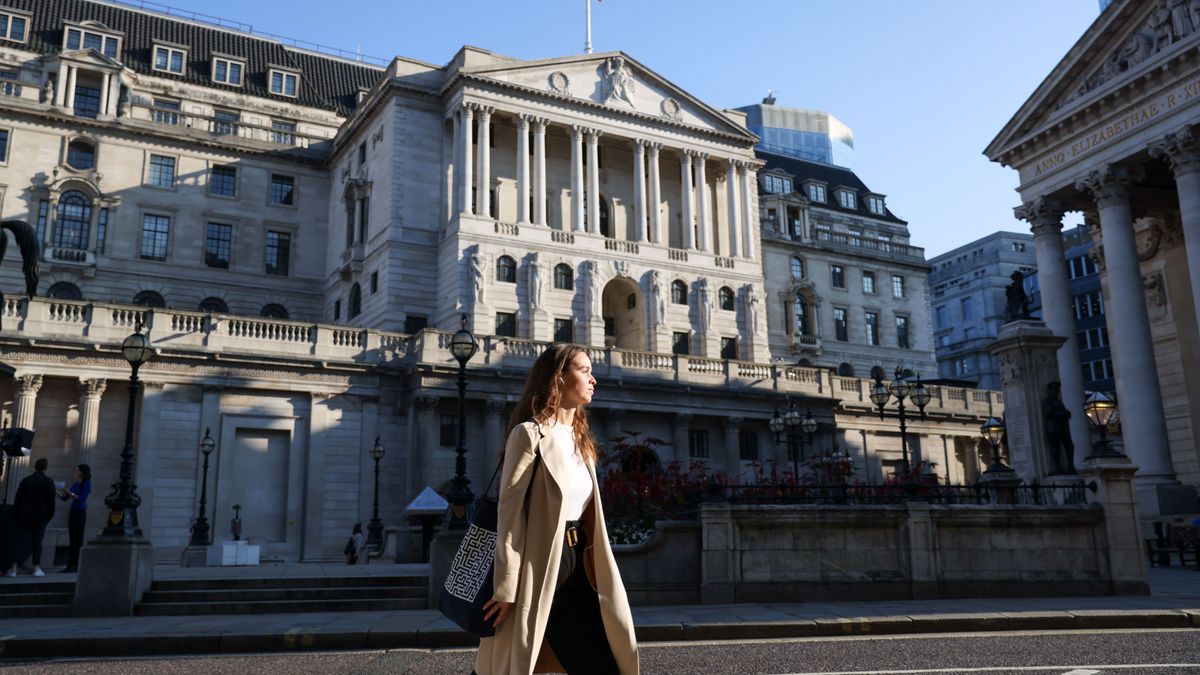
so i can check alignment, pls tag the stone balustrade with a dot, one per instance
(171, 330)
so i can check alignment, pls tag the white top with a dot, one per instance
(577, 493)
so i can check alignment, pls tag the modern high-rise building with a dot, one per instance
(812, 135)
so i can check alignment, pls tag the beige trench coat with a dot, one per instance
(528, 551)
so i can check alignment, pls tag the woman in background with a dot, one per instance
(77, 513)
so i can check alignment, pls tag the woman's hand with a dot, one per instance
(497, 608)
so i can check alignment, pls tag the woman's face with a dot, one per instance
(78, 474)
(577, 384)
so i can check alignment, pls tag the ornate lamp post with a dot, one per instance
(375, 527)
(793, 423)
(1101, 409)
(200, 529)
(123, 501)
(993, 431)
(900, 389)
(463, 347)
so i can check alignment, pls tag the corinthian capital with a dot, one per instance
(29, 384)
(1181, 149)
(1109, 185)
(89, 388)
(1043, 214)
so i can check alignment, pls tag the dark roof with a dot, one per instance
(833, 176)
(325, 82)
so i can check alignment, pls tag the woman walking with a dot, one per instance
(559, 605)
(77, 513)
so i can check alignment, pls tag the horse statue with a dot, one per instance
(27, 242)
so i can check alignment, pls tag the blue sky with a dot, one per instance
(924, 84)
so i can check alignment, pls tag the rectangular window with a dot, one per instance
(564, 330)
(747, 445)
(846, 199)
(284, 84)
(941, 317)
(3, 145)
(13, 27)
(610, 327)
(869, 282)
(337, 311)
(87, 101)
(279, 253)
(223, 181)
(166, 112)
(872, 322)
(225, 122)
(283, 133)
(816, 193)
(101, 229)
(226, 71)
(968, 313)
(169, 59)
(506, 324)
(155, 233)
(415, 324)
(875, 205)
(449, 431)
(362, 153)
(837, 276)
(374, 282)
(944, 340)
(217, 245)
(902, 332)
(42, 212)
(162, 171)
(282, 189)
(840, 329)
(777, 184)
(84, 39)
(897, 286)
(698, 443)
(680, 342)
(729, 348)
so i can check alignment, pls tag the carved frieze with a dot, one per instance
(616, 82)
(559, 83)
(671, 110)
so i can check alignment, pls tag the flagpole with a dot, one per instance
(587, 43)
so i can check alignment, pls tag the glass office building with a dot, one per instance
(804, 134)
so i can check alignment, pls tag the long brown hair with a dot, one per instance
(542, 396)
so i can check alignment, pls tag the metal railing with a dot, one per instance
(899, 492)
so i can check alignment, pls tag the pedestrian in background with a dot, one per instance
(553, 559)
(77, 513)
(354, 546)
(34, 507)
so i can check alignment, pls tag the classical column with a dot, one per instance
(593, 181)
(466, 203)
(485, 161)
(27, 388)
(90, 392)
(68, 100)
(104, 94)
(749, 219)
(523, 168)
(733, 209)
(493, 432)
(682, 423)
(539, 171)
(639, 190)
(577, 178)
(655, 206)
(702, 220)
(1129, 324)
(733, 447)
(1045, 219)
(687, 227)
(1182, 150)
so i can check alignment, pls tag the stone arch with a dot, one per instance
(621, 306)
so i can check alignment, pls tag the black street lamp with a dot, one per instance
(993, 431)
(123, 501)
(792, 423)
(200, 529)
(463, 347)
(1101, 410)
(375, 527)
(900, 389)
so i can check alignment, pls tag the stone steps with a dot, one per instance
(30, 599)
(279, 595)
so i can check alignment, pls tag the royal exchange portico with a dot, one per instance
(1112, 132)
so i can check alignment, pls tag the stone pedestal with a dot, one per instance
(194, 556)
(1027, 351)
(114, 572)
(1113, 478)
(1003, 483)
(441, 554)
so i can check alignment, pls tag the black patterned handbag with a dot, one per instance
(469, 583)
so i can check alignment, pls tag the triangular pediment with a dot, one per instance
(90, 57)
(1128, 41)
(613, 80)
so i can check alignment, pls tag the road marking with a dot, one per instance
(1078, 670)
(1082, 671)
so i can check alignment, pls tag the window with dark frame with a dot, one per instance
(81, 155)
(681, 342)
(448, 436)
(354, 308)
(101, 229)
(679, 293)
(217, 242)
(74, 222)
(275, 311)
(13, 27)
(564, 330)
(868, 282)
(841, 330)
(374, 282)
(337, 310)
(282, 189)
(564, 277)
(747, 445)
(155, 233)
(227, 71)
(506, 270)
(837, 276)
(698, 443)
(897, 286)
(279, 252)
(797, 268)
(729, 348)
(3, 145)
(871, 319)
(223, 181)
(902, 332)
(225, 122)
(506, 324)
(87, 101)
(725, 296)
(162, 171)
(169, 59)
(415, 324)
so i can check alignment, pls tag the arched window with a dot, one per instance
(81, 155)
(605, 227)
(564, 277)
(725, 295)
(506, 270)
(274, 311)
(149, 299)
(845, 370)
(800, 309)
(355, 307)
(74, 221)
(214, 306)
(679, 292)
(797, 268)
(64, 290)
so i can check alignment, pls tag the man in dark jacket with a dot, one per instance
(34, 508)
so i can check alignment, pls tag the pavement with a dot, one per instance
(1174, 602)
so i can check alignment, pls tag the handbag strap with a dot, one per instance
(500, 465)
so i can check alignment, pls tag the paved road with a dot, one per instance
(1076, 652)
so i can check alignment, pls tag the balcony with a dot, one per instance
(843, 241)
(103, 326)
(244, 132)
